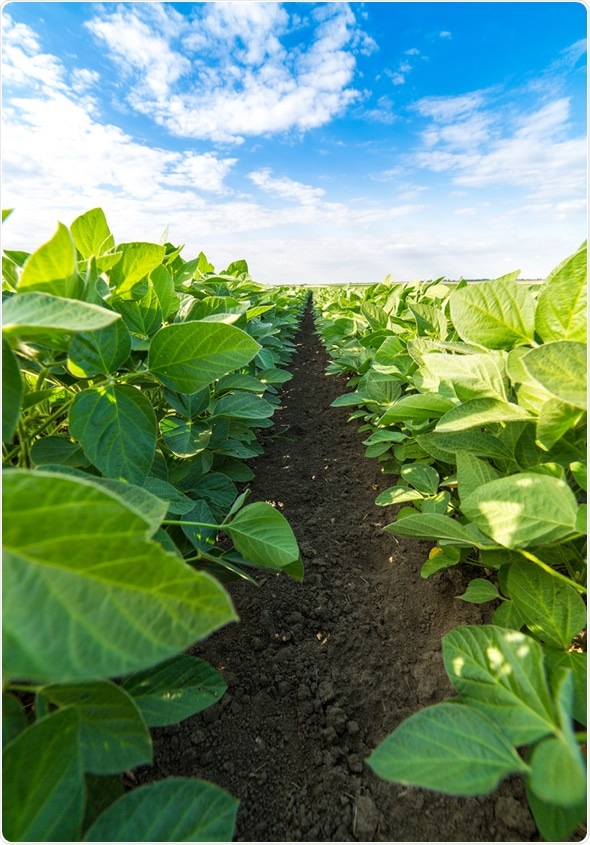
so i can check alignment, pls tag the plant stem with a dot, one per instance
(551, 571)
(30, 435)
(41, 378)
(186, 522)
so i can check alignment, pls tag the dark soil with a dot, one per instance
(320, 672)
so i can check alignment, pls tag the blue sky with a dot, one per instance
(320, 141)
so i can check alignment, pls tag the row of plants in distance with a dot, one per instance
(133, 384)
(474, 396)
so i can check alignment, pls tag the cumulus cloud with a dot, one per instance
(225, 73)
(23, 62)
(285, 187)
(481, 145)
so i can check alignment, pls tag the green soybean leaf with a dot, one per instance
(190, 405)
(139, 499)
(560, 367)
(562, 306)
(14, 720)
(128, 276)
(472, 473)
(445, 446)
(101, 791)
(383, 436)
(500, 672)
(239, 381)
(498, 314)
(419, 407)
(556, 418)
(438, 527)
(43, 788)
(262, 535)
(421, 476)
(558, 773)
(347, 400)
(507, 615)
(188, 357)
(429, 319)
(91, 233)
(113, 734)
(163, 285)
(576, 661)
(451, 748)
(80, 556)
(377, 449)
(554, 612)
(525, 509)
(375, 316)
(219, 492)
(470, 376)
(102, 351)
(215, 305)
(440, 558)
(243, 406)
(274, 375)
(9, 273)
(116, 426)
(177, 503)
(555, 823)
(480, 590)
(183, 437)
(202, 537)
(57, 450)
(438, 503)
(170, 810)
(52, 268)
(294, 570)
(397, 495)
(142, 316)
(480, 412)
(12, 391)
(174, 690)
(25, 315)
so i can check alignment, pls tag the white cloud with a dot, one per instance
(285, 187)
(225, 74)
(137, 47)
(382, 113)
(445, 109)
(23, 63)
(482, 147)
(445, 34)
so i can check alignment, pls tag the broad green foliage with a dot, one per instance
(481, 415)
(140, 603)
(134, 382)
(466, 745)
(187, 357)
(151, 814)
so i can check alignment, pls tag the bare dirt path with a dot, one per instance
(320, 672)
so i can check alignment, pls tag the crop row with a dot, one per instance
(133, 384)
(474, 397)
